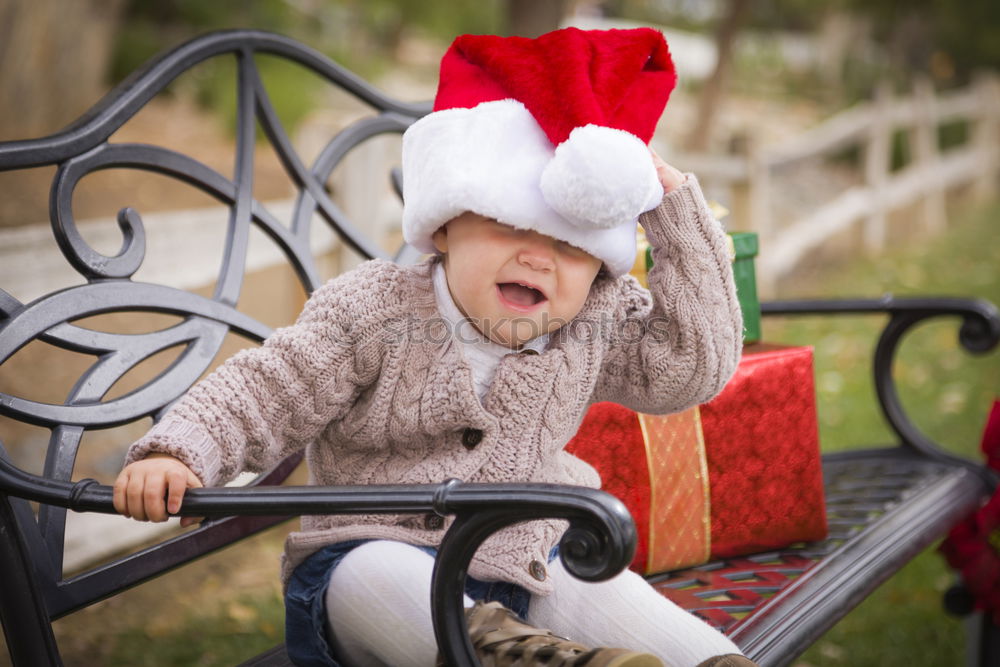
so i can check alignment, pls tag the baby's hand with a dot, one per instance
(670, 177)
(141, 487)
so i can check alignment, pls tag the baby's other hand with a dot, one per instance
(141, 487)
(671, 178)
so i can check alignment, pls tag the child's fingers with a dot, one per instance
(192, 483)
(120, 499)
(153, 496)
(670, 177)
(192, 480)
(176, 486)
(153, 489)
(134, 497)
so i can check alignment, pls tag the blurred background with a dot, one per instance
(859, 138)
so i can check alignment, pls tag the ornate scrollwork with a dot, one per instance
(84, 148)
(47, 319)
(978, 333)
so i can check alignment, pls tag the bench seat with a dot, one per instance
(882, 508)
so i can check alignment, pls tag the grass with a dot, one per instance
(223, 609)
(246, 625)
(217, 611)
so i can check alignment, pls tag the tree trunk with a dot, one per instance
(714, 90)
(53, 61)
(531, 18)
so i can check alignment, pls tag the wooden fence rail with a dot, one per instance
(874, 129)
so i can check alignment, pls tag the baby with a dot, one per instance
(524, 185)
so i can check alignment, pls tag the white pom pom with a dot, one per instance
(601, 177)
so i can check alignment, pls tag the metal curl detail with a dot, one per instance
(92, 264)
(585, 553)
(980, 331)
(315, 199)
(146, 400)
(164, 162)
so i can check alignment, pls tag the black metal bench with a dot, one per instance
(884, 505)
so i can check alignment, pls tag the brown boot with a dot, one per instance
(501, 639)
(731, 660)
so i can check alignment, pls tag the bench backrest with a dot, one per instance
(201, 323)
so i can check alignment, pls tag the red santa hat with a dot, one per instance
(548, 134)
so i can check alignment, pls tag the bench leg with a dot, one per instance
(26, 625)
(984, 641)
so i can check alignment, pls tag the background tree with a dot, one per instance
(713, 93)
(531, 18)
(54, 59)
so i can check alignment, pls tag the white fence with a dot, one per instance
(920, 184)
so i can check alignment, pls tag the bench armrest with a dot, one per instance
(599, 543)
(979, 333)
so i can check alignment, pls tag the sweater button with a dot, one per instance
(433, 522)
(537, 570)
(471, 437)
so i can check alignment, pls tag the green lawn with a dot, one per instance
(223, 609)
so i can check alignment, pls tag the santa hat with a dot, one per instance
(548, 134)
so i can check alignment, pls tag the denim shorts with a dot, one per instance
(306, 638)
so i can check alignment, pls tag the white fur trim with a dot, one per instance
(490, 160)
(601, 176)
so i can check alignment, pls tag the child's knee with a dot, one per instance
(377, 587)
(382, 569)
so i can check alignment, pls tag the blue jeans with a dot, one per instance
(306, 639)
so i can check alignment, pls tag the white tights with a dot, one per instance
(378, 612)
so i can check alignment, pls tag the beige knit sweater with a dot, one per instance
(367, 382)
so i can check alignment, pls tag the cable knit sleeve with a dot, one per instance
(265, 403)
(678, 344)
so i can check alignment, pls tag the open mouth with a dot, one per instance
(519, 296)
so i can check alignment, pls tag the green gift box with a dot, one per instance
(743, 249)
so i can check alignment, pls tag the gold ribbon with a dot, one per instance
(680, 520)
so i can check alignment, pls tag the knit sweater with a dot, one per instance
(371, 385)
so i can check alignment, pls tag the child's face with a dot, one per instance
(513, 284)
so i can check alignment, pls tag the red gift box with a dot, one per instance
(738, 475)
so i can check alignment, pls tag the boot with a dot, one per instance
(731, 660)
(501, 639)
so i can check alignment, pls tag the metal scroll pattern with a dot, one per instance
(83, 149)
